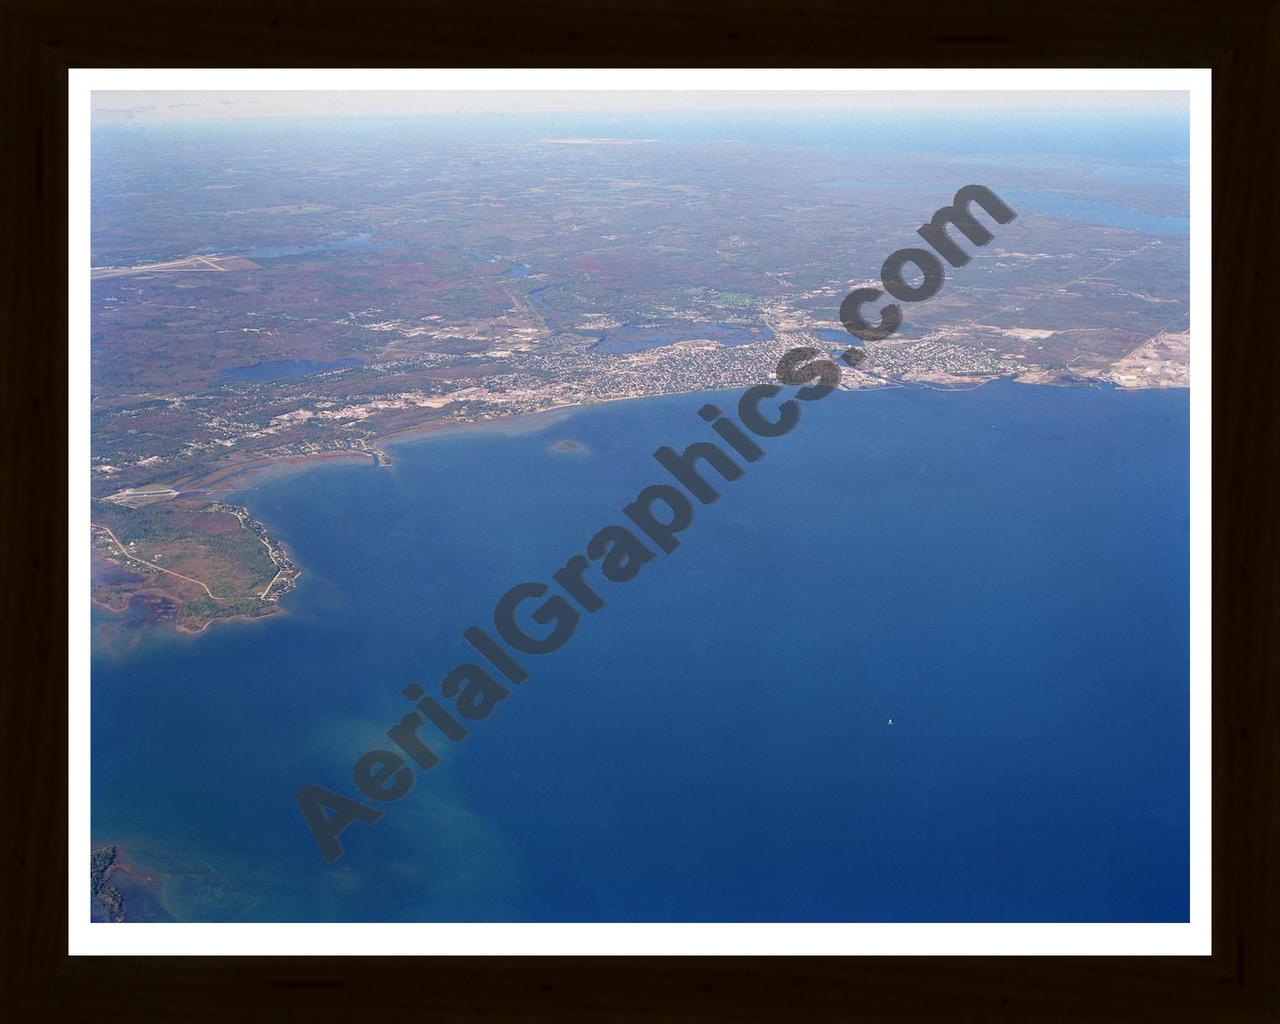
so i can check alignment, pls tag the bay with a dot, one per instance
(1002, 572)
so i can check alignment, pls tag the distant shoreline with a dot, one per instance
(252, 473)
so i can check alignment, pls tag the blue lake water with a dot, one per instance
(1003, 572)
(1094, 211)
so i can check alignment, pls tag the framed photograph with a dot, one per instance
(432, 424)
(687, 517)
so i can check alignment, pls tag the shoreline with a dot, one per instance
(286, 576)
(244, 477)
(251, 473)
(187, 631)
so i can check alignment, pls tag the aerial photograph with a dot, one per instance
(639, 507)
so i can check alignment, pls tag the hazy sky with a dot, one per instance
(113, 106)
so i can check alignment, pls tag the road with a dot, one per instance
(127, 554)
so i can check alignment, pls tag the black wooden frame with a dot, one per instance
(41, 39)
